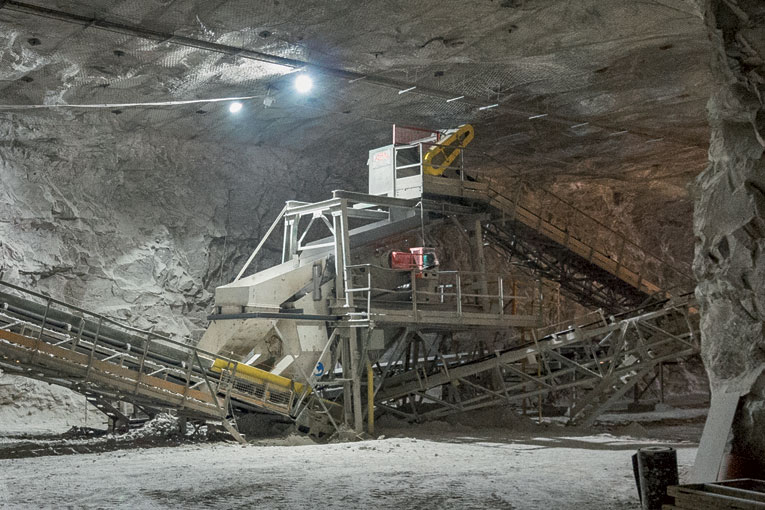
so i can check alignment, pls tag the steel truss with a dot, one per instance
(595, 265)
(589, 367)
(580, 280)
(419, 377)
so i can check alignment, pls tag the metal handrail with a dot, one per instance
(111, 321)
(144, 366)
(419, 145)
(460, 279)
(440, 271)
(594, 220)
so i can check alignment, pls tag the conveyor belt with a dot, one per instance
(46, 339)
(595, 266)
(602, 360)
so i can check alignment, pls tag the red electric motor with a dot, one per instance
(416, 258)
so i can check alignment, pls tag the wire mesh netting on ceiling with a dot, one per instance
(488, 55)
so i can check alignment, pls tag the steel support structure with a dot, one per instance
(579, 279)
(601, 361)
(589, 365)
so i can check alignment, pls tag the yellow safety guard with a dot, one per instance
(257, 375)
(438, 159)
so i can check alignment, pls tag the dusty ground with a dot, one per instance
(436, 465)
(459, 472)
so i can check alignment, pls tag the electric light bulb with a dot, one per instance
(303, 83)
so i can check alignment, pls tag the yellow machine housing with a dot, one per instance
(257, 375)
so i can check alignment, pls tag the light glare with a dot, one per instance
(303, 83)
(235, 107)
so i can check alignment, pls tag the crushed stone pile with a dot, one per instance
(161, 426)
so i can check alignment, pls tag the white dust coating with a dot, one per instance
(387, 473)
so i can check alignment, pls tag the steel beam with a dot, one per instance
(625, 357)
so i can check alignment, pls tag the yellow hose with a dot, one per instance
(370, 399)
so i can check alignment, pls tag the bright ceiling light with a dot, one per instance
(235, 107)
(303, 83)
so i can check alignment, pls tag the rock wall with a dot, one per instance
(30, 407)
(134, 224)
(729, 217)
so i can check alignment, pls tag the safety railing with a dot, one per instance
(591, 239)
(416, 167)
(371, 287)
(587, 319)
(142, 364)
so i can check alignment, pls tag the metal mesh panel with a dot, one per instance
(85, 64)
(408, 134)
(279, 397)
(252, 389)
(258, 391)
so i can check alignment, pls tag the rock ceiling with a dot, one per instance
(586, 89)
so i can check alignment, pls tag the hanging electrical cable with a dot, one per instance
(125, 105)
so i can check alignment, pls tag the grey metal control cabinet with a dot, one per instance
(396, 171)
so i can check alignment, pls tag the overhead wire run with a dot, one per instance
(125, 105)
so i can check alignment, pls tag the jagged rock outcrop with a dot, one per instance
(729, 218)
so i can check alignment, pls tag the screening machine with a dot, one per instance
(345, 291)
(349, 296)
